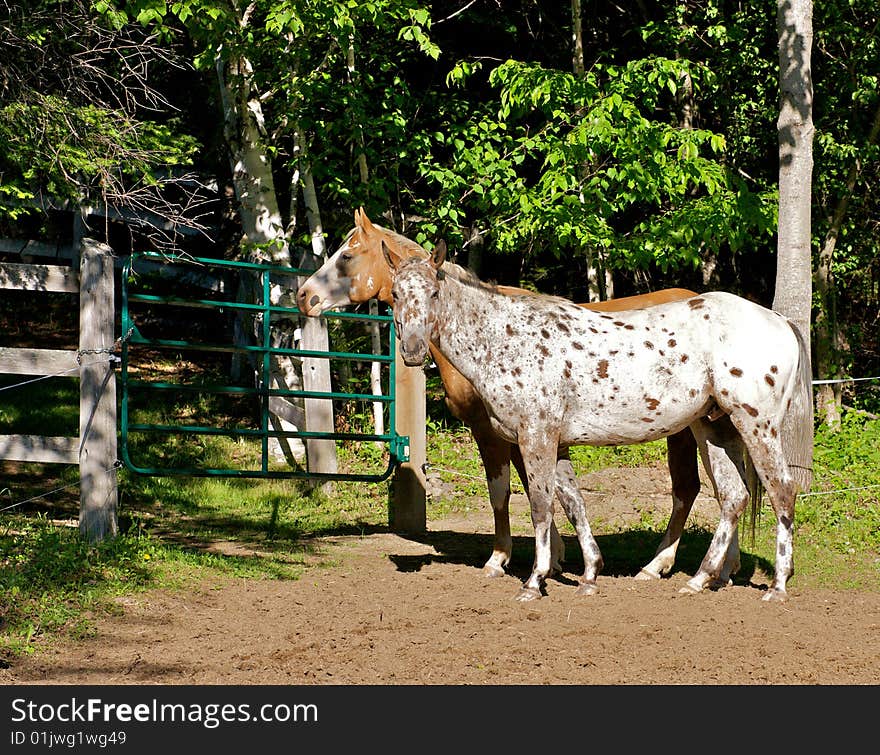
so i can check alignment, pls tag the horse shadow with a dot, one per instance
(624, 554)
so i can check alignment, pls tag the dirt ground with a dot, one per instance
(398, 610)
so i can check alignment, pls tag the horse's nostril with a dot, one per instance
(314, 301)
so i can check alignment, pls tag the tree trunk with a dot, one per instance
(251, 166)
(577, 39)
(829, 338)
(599, 282)
(793, 293)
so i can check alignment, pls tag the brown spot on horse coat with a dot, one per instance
(769, 380)
(696, 303)
(652, 403)
(603, 368)
(751, 410)
(736, 371)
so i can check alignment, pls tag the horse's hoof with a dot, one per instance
(720, 583)
(526, 594)
(645, 575)
(691, 588)
(774, 595)
(491, 571)
(587, 588)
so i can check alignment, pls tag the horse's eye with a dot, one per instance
(435, 294)
(394, 295)
(346, 257)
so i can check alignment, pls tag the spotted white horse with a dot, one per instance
(553, 375)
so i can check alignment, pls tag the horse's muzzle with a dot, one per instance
(413, 354)
(308, 303)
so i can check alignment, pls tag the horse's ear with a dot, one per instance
(439, 254)
(392, 259)
(365, 222)
(357, 216)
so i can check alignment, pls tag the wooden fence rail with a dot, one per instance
(94, 450)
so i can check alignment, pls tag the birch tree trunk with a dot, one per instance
(793, 292)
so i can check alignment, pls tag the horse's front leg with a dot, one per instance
(557, 546)
(539, 458)
(495, 453)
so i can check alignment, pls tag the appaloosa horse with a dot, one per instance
(552, 375)
(358, 271)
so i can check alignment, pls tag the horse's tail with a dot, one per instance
(756, 492)
(797, 424)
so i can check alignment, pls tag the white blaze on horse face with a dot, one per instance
(329, 285)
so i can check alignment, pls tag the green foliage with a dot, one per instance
(79, 115)
(328, 70)
(73, 152)
(571, 163)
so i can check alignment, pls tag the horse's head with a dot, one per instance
(415, 297)
(357, 270)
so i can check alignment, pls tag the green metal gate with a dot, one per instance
(205, 292)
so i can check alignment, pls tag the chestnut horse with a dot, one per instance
(357, 272)
(553, 375)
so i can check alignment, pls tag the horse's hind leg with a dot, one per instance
(721, 449)
(767, 456)
(681, 457)
(569, 495)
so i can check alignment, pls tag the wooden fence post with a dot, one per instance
(407, 511)
(97, 402)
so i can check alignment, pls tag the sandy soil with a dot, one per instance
(404, 610)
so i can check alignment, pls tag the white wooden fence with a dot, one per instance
(94, 449)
